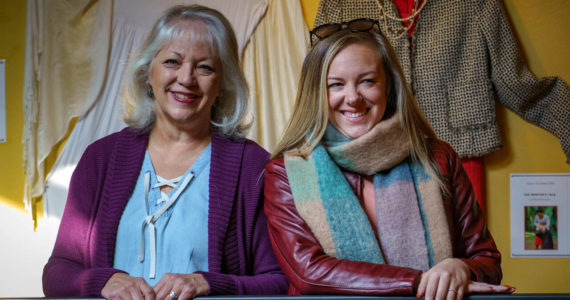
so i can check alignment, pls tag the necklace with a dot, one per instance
(411, 18)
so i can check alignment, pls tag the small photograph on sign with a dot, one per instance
(540, 231)
(540, 214)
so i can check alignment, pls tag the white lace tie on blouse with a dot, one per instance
(151, 219)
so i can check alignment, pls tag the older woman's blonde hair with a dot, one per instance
(310, 117)
(229, 109)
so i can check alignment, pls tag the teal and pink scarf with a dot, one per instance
(410, 218)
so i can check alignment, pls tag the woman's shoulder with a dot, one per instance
(251, 155)
(444, 155)
(124, 135)
(255, 149)
(254, 154)
(441, 149)
(249, 146)
(276, 165)
(120, 151)
(125, 140)
(439, 146)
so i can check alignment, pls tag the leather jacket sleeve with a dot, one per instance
(471, 240)
(308, 268)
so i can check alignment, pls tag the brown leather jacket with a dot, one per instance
(311, 271)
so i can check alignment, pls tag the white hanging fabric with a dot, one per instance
(272, 64)
(66, 41)
(131, 21)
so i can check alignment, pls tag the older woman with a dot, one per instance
(360, 196)
(171, 206)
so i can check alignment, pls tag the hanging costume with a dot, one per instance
(460, 57)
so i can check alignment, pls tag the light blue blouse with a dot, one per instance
(180, 242)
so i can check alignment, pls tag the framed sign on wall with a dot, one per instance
(540, 215)
(2, 101)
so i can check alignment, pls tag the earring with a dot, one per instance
(149, 92)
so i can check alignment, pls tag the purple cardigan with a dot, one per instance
(240, 257)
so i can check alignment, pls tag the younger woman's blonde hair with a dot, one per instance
(307, 124)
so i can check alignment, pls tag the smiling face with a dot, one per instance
(185, 78)
(356, 87)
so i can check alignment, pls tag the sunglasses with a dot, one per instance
(356, 25)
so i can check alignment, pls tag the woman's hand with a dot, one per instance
(449, 279)
(185, 286)
(123, 286)
(482, 287)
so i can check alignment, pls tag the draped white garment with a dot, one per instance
(64, 42)
(272, 64)
(273, 60)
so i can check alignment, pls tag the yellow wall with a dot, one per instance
(542, 29)
(12, 45)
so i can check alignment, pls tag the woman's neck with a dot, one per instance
(173, 151)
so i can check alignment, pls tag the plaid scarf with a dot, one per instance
(410, 219)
